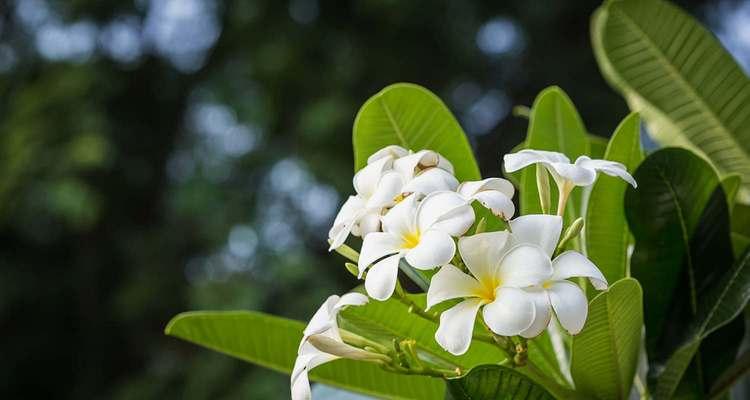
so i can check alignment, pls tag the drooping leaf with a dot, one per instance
(605, 353)
(722, 304)
(607, 233)
(392, 318)
(272, 342)
(411, 116)
(554, 125)
(497, 383)
(677, 75)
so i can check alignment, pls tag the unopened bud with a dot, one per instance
(542, 185)
(573, 230)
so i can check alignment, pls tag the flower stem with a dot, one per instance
(348, 252)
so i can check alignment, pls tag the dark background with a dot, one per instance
(158, 156)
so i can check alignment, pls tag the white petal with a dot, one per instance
(321, 320)
(570, 305)
(543, 312)
(457, 326)
(450, 283)
(392, 151)
(338, 348)
(345, 220)
(367, 223)
(301, 386)
(435, 248)
(611, 168)
(431, 180)
(511, 313)
(350, 299)
(401, 220)
(497, 202)
(572, 263)
(482, 253)
(366, 180)
(468, 189)
(375, 246)
(308, 358)
(387, 189)
(524, 265)
(409, 165)
(443, 163)
(580, 176)
(524, 158)
(381, 278)
(541, 230)
(446, 211)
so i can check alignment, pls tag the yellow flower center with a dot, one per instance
(547, 284)
(410, 240)
(486, 290)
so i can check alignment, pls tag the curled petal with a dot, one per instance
(376, 246)
(524, 265)
(539, 229)
(350, 299)
(511, 313)
(435, 248)
(572, 263)
(381, 279)
(409, 165)
(445, 211)
(393, 151)
(578, 175)
(321, 320)
(469, 189)
(570, 305)
(366, 180)
(497, 202)
(345, 220)
(431, 180)
(387, 189)
(482, 253)
(369, 222)
(309, 357)
(401, 220)
(543, 312)
(611, 168)
(450, 283)
(524, 158)
(457, 326)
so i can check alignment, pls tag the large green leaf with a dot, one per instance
(497, 383)
(722, 304)
(605, 353)
(272, 342)
(391, 318)
(411, 116)
(607, 233)
(554, 125)
(677, 75)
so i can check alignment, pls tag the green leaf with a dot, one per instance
(411, 116)
(554, 125)
(728, 378)
(597, 146)
(495, 382)
(391, 318)
(722, 304)
(605, 353)
(678, 76)
(607, 233)
(272, 342)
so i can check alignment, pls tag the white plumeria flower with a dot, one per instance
(494, 194)
(391, 173)
(322, 343)
(499, 272)
(555, 292)
(567, 175)
(418, 231)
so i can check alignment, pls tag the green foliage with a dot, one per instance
(411, 116)
(607, 233)
(605, 353)
(272, 342)
(495, 382)
(679, 77)
(722, 304)
(554, 125)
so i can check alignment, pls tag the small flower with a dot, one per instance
(391, 174)
(555, 292)
(499, 272)
(566, 175)
(494, 194)
(322, 343)
(418, 231)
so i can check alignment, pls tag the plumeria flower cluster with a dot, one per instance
(412, 213)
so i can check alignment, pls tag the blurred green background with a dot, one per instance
(158, 156)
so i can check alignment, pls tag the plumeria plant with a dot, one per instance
(617, 275)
